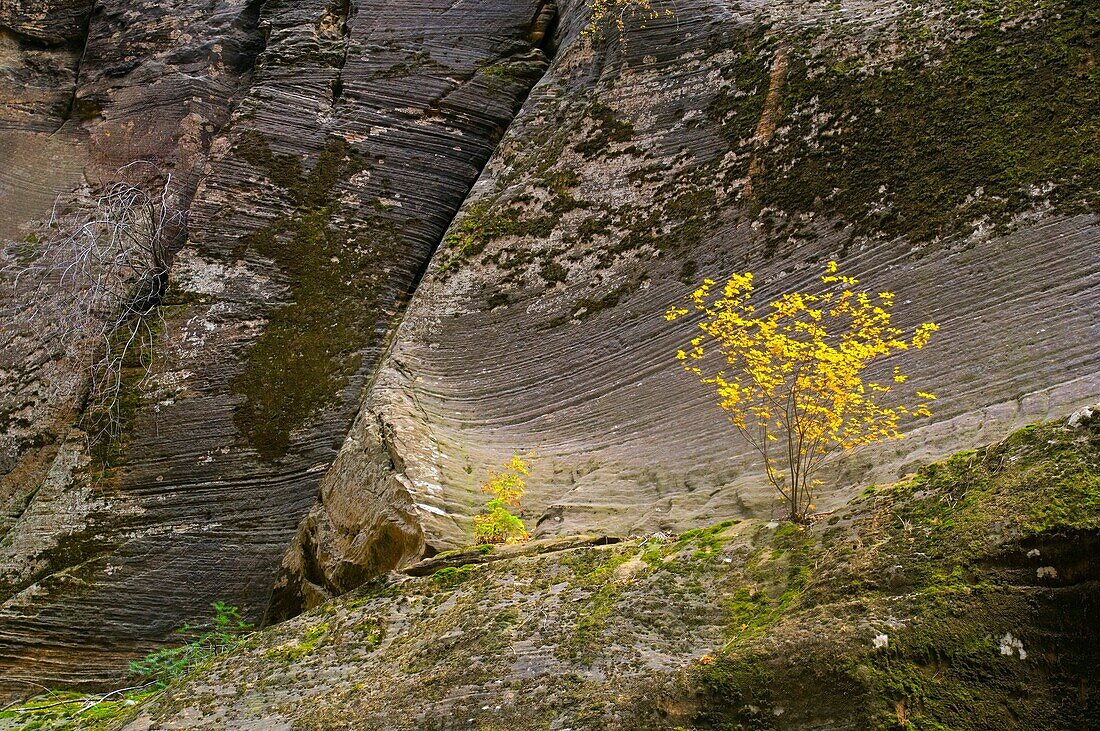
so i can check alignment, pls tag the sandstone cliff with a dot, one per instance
(352, 335)
(908, 141)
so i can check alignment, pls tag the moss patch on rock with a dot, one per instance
(334, 269)
(1001, 119)
(961, 597)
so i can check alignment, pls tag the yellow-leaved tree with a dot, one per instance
(790, 375)
(498, 524)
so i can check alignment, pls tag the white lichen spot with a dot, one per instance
(880, 641)
(1010, 645)
(1047, 572)
(1033, 553)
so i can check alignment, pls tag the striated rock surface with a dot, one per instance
(963, 597)
(944, 151)
(320, 150)
(99, 92)
(940, 151)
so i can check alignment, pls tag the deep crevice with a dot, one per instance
(242, 54)
(86, 32)
(254, 40)
(346, 10)
(541, 38)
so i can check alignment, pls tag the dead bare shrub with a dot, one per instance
(96, 280)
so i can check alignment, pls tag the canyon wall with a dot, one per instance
(320, 150)
(939, 151)
(352, 336)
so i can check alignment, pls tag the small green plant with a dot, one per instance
(67, 709)
(498, 524)
(164, 666)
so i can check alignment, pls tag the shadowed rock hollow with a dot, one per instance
(353, 334)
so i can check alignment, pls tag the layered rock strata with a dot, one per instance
(961, 598)
(320, 150)
(937, 151)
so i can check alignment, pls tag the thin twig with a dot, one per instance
(116, 692)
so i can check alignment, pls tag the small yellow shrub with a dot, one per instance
(498, 524)
(615, 12)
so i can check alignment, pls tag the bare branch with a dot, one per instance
(96, 282)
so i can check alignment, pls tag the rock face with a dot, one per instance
(961, 598)
(934, 151)
(322, 150)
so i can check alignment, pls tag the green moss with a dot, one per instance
(416, 63)
(588, 306)
(296, 650)
(746, 689)
(929, 144)
(484, 222)
(553, 272)
(372, 631)
(374, 590)
(594, 226)
(588, 635)
(482, 548)
(605, 129)
(944, 555)
(704, 541)
(73, 711)
(947, 669)
(450, 576)
(687, 211)
(560, 182)
(27, 250)
(689, 269)
(515, 73)
(737, 107)
(695, 210)
(594, 570)
(311, 345)
(110, 420)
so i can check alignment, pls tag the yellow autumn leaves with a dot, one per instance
(615, 12)
(790, 375)
(498, 524)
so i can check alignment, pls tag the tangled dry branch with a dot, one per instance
(98, 280)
